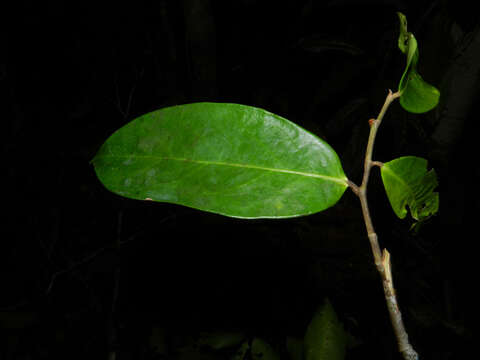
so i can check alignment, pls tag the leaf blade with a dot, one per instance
(418, 96)
(325, 338)
(408, 183)
(230, 159)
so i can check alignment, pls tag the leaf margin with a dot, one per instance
(423, 183)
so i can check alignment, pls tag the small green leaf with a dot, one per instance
(403, 36)
(407, 182)
(229, 159)
(417, 95)
(325, 338)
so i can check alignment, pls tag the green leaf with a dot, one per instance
(229, 159)
(407, 182)
(417, 95)
(325, 338)
(261, 350)
(403, 36)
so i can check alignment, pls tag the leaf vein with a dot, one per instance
(342, 181)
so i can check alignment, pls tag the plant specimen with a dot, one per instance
(245, 162)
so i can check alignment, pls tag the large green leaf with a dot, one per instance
(325, 338)
(229, 159)
(417, 95)
(407, 182)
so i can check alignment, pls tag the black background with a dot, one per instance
(84, 271)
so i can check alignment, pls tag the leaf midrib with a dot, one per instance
(342, 181)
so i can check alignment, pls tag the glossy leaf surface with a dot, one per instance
(325, 338)
(418, 96)
(407, 182)
(229, 159)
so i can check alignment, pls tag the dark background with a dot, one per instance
(84, 272)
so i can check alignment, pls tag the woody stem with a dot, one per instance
(382, 259)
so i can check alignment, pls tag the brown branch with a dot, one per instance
(382, 259)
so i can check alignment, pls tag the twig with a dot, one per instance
(382, 259)
(377, 163)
